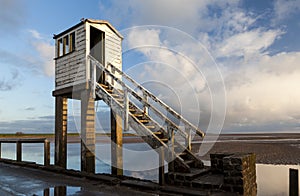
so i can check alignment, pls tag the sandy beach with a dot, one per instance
(269, 148)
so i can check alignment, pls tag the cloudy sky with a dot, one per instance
(235, 61)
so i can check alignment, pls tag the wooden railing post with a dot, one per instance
(47, 152)
(126, 107)
(113, 70)
(146, 108)
(94, 81)
(188, 139)
(172, 139)
(19, 151)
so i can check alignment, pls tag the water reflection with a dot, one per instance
(271, 179)
(59, 191)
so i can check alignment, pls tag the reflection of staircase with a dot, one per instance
(143, 112)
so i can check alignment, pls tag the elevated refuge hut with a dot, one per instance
(95, 37)
(73, 76)
(88, 67)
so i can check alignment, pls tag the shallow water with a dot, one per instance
(141, 161)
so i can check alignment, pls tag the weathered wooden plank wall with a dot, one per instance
(72, 67)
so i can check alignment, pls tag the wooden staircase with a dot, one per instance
(138, 112)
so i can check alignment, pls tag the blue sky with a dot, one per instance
(256, 45)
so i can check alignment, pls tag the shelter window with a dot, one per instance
(60, 47)
(66, 44)
(72, 41)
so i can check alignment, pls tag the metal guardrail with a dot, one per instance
(19, 143)
(144, 99)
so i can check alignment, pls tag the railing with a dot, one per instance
(19, 143)
(144, 99)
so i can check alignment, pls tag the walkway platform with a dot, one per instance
(26, 178)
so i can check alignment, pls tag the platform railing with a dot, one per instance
(20, 141)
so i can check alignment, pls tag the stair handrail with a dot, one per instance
(154, 98)
(128, 90)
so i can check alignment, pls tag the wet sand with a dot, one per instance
(269, 148)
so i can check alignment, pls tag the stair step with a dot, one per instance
(104, 86)
(208, 181)
(138, 115)
(188, 162)
(182, 154)
(119, 100)
(120, 91)
(194, 174)
(150, 126)
(144, 120)
(115, 95)
(165, 140)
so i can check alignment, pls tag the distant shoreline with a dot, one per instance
(277, 148)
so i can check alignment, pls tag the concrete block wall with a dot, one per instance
(239, 172)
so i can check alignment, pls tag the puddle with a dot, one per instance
(59, 191)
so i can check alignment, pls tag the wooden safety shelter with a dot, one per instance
(73, 76)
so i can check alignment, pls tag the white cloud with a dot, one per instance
(45, 53)
(242, 44)
(188, 16)
(265, 98)
(262, 88)
(35, 34)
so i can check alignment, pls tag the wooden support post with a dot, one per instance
(116, 144)
(60, 190)
(294, 184)
(161, 169)
(88, 135)
(61, 115)
(47, 152)
(46, 192)
(19, 151)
